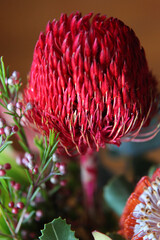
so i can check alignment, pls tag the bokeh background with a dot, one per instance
(21, 22)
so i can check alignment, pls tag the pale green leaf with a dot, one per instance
(100, 236)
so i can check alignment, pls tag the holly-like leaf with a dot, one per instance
(58, 229)
(100, 236)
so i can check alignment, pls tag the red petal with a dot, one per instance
(156, 174)
(130, 206)
(143, 183)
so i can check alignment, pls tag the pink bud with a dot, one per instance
(17, 186)
(7, 166)
(63, 183)
(15, 129)
(15, 210)
(1, 131)
(2, 172)
(20, 205)
(11, 204)
(7, 130)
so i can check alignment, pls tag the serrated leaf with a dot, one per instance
(116, 193)
(100, 236)
(58, 229)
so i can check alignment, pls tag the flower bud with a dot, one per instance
(7, 166)
(16, 75)
(11, 107)
(2, 172)
(25, 162)
(17, 186)
(62, 168)
(1, 131)
(20, 205)
(29, 156)
(39, 213)
(19, 105)
(15, 210)
(54, 157)
(14, 129)
(11, 204)
(63, 183)
(35, 170)
(54, 180)
(12, 183)
(7, 130)
(10, 81)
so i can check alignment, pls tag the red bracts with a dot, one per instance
(89, 80)
(141, 217)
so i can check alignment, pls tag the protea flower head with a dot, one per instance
(90, 81)
(141, 217)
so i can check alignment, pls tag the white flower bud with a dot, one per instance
(19, 105)
(54, 157)
(53, 180)
(10, 107)
(15, 75)
(10, 81)
(7, 130)
(29, 156)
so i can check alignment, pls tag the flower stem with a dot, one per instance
(21, 220)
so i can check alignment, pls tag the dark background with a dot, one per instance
(22, 20)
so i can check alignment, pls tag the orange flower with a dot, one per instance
(141, 215)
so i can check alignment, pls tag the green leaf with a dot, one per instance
(16, 172)
(100, 236)
(28, 176)
(4, 184)
(58, 229)
(5, 145)
(115, 236)
(116, 193)
(35, 194)
(3, 75)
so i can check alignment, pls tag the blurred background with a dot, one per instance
(22, 21)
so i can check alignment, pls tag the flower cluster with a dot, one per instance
(141, 216)
(3, 168)
(90, 81)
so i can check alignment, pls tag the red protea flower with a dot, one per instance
(89, 80)
(141, 216)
